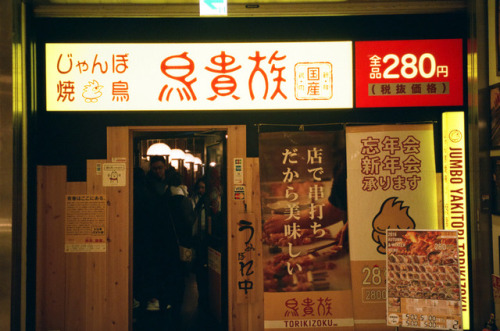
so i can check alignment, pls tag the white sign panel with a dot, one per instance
(92, 77)
(213, 7)
(114, 174)
(238, 170)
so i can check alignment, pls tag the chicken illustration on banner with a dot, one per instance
(392, 215)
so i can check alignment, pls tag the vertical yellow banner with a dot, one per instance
(455, 196)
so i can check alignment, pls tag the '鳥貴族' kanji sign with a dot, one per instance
(88, 77)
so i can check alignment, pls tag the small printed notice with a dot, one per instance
(114, 174)
(239, 192)
(238, 170)
(423, 279)
(85, 223)
(119, 159)
(214, 260)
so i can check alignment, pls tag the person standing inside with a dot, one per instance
(182, 214)
(158, 175)
(160, 251)
(201, 204)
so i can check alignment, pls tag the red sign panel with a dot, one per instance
(409, 73)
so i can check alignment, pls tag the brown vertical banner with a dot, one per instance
(307, 282)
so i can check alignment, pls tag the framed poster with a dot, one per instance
(497, 35)
(495, 206)
(495, 115)
(423, 279)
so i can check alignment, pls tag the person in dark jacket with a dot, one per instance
(201, 205)
(181, 210)
(160, 251)
(182, 215)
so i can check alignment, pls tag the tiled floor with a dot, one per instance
(193, 319)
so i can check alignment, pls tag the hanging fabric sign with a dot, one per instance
(391, 185)
(305, 257)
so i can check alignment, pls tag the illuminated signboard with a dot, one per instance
(409, 73)
(213, 7)
(92, 77)
(455, 197)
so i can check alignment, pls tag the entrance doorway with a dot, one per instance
(199, 157)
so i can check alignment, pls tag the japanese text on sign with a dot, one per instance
(198, 76)
(322, 307)
(316, 193)
(409, 73)
(244, 257)
(85, 223)
(307, 312)
(390, 163)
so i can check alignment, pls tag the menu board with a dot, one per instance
(423, 279)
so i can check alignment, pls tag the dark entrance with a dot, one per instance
(202, 287)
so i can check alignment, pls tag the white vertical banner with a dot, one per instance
(391, 184)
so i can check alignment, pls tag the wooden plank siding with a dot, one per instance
(51, 264)
(96, 296)
(92, 291)
(119, 234)
(256, 307)
(76, 277)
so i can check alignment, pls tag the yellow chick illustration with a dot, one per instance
(92, 92)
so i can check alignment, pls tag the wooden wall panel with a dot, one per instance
(96, 262)
(51, 263)
(236, 148)
(119, 233)
(80, 291)
(256, 307)
(76, 277)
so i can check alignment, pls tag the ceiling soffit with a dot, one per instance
(238, 8)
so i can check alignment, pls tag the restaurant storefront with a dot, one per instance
(320, 136)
